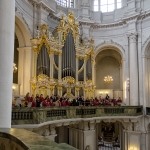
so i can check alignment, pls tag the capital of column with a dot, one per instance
(60, 53)
(85, 57)
(132, 37)
(24, 48)
(79, 57)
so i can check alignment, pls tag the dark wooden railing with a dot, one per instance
(25, 115)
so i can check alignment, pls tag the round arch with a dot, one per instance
(110, 45)
(22, 33)
(117, 71)
(145, 46)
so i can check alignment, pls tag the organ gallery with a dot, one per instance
(61, 63)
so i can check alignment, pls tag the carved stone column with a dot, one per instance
(7, 17)
(134, 90)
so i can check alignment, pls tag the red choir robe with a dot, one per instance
(33, 104)
(44, 103)
(63, 103)
(51, 104)
(41, 99)
(29, 99)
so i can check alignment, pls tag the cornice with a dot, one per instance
(41, 4)
(121, 22)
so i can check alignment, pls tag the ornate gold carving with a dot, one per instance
(68, 25)
(43, 81)
(85, 89)
(51, 87)
(79, 57)
(59, 88)
(33, 86)
(68, 80)
(77, 89)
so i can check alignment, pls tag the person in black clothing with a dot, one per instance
(107, 97)
(81, 100)
(75, 102)
(38, 102)
(53, 98)
(62, 98)
(87, 102)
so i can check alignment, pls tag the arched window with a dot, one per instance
(107, 5)
(65, 3)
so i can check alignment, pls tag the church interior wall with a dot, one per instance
(107, 66)
(24, 29)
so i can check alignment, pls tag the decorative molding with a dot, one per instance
(21, 16)
(111, 44)
(144, 46)
(94, 25)
(132, 36)
(40, 5)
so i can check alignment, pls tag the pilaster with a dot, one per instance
(24, 69)
(134, 83)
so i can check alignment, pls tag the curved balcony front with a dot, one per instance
(35, 117)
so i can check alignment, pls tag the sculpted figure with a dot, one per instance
(62, 22)
(87, 147)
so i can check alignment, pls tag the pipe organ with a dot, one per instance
(60, 63)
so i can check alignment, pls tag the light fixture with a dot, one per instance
(13, 88)
(108, 79)
(14, 68)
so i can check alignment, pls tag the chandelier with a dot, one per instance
(14, 68)
(108, 79)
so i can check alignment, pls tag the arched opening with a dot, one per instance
(109, 62)
(21, 44)
(16, 57)
(110, 134)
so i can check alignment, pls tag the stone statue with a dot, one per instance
(62, 22)
(88, 147)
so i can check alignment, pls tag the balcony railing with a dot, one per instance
(26, 115)
(147, 110)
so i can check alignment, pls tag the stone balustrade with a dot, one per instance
(147, 110)
(26, 115)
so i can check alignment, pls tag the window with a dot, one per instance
(96, 5)
(107, 5)
(65, 3)
(118, 4)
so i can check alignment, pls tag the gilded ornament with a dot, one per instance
(33, 86)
